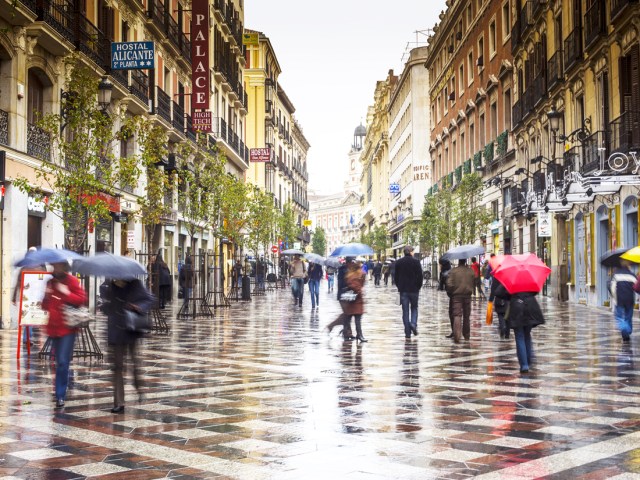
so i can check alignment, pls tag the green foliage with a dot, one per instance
(319, 241)
(502, 144)
(84, 164)
(477, 159)
(235, 208)
(473, 217)
(380, 239)
(261, 219)
(436, 229)
(488, 153)
(286, 225)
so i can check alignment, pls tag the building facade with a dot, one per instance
(410, 163)
(35, 39)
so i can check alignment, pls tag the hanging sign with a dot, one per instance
(131, 239)
(544, 225)
(394, 188)
(251, 38)
(132, 55)
(306, 223)
(202, 121)
(259, 154)
(36, 207)
(200, 55)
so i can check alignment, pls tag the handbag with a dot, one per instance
(135, 322)
(348, 295)
(489, 319)
(75, 317)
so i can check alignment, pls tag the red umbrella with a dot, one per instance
(522, 273)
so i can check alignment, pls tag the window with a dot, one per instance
(472, 138)
(494, 120)
(35, 97)
(469, 15)
(433, 116)
(507, 109)
(125, 32)
(453, 89)
(446, 99)
(470, 68)
(461, 80)
(492, 39)
(481, 131)
(481, 53)
(506, 21)
(494, 210)
(462, 145)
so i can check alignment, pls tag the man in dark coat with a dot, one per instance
(343, 319)
(460, 282)
(118, 296)
(163, 277)
(377, 273)
(186, 281)
(624, 297)
(408, 279)
(500, 298)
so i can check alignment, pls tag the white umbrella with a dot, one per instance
(315, 258)
(292, 251)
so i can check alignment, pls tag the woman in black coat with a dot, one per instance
(500, 298)
(523, 316)
(118, 296)
(163, 277)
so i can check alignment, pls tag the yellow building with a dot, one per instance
(375, 158)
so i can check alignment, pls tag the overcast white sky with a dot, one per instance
(331, 53)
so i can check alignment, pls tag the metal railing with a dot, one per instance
(191, 134)
(38, 142)
(58, 14)
(163, 104)
(594, 22)
(555, 70)
(539, 88)
(139, 86)
(156, 12)
(516, 112)
(625, 132)
(591, 146)
(4, 127)
(515, 36)
(178, 117)
(572, 48)
(92, 42)
(617, 6)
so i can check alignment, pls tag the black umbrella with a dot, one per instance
(612, 257)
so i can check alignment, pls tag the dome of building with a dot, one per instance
(361, 131)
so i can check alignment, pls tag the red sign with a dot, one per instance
(202, 122)
(200, 55)
(274, 249)
(259, 154)
(112, 202)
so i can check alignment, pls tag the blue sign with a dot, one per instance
(394, 188)
(132, 55)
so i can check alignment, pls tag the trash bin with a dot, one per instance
(246, 288)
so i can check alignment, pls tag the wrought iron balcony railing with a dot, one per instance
(555, 70)
(139, 86)
(38, 142)
(178, 117)
(618, 6)
(594, 23)
(572, 48)
(163, 104)
(625, 132)
(4, 128)
(59, 15)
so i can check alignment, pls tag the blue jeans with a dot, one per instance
(297, 288)
(260, 279)
(63, 347)
(409, 300)
(524, 348)
(314, 291)
(330, 282)
(624, 315)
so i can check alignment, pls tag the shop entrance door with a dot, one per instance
(581, 268)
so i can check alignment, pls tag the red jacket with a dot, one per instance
(54, 300)
(476, 269)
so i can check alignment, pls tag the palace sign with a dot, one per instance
(132, 55)
(200, 55)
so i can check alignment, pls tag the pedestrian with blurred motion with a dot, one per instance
(29, 331)
(385, 273)
(408, 280)
(392, 272)
(61, 290)
(621, 289)
(315, 275)
(477, 282)
(377, 273)
(460, 282)
(298, 272)
(163, 276)
(352, 298)
(119, 296)
(331, 277)
(500, 298)
(445, 267)
(261, 271)
(186, 282)
(342, 319)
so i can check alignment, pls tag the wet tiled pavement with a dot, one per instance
(262, 392)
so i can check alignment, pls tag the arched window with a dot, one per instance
(35, 97)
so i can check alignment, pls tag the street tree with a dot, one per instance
(473, 217)
(234, 207)
(80, 165)
(286, 226)
(380, 240)
(319, 241)
(262, 219)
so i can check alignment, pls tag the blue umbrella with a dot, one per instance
(34, 258)
(110, 266)
(352, 250)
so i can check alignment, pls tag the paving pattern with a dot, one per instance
(262, 392)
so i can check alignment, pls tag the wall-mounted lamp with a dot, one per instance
(581, 133)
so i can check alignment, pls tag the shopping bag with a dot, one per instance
(489, 313)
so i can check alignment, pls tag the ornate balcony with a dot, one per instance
(516, 112)
(163, 104)
(191, 134)
(515, 36)
(618, 6)
(555, 70)
(93, 42)
(58, 14)
(625, 132)
(178, 117)
(591, 152)
(572, 48)
(38, 143)
(4, 128)
(139, 86)
(594, 23)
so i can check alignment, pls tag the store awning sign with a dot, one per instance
(200, 55)
(132, 55)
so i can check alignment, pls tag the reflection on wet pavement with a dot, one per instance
(262, 392)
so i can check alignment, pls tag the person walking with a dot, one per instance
(186, 282)
(63, 289)
(331, 276)
(385, 273)
(342, 319)
(298, 272)
(119, 296)
(354, 280)
(500, 298)
(460, 282)
(445, 267)
(315, 275)
(163, 277)
(477, 281)
(29, 331)
(408, 280)
(261, 269)
(622, 293)
(392, 272)
(377, 273)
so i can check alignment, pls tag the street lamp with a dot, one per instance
(105, 88)
(580, 133)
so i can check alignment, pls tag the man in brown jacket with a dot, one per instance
(460, 287)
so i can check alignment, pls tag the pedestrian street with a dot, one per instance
(261, 391)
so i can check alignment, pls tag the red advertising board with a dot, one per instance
(201, 122)
(200, 55)
(259, 154)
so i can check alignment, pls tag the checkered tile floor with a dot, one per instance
(262, 392)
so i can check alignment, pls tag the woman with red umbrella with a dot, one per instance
(522, 276)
